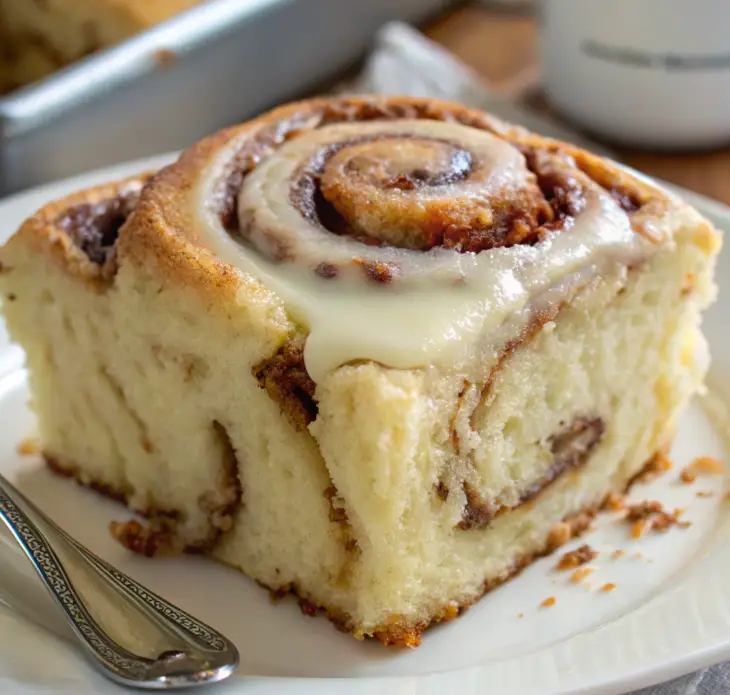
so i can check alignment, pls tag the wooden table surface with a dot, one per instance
(502, 47)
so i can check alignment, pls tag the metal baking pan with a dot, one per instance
(211, 66)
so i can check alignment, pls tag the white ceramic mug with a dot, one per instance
(649, 73)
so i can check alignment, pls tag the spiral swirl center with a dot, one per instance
(360, 194)
(383, 189)
(410, 233)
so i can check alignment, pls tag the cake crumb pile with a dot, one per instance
(650, 515)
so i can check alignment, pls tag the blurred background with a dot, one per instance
(89, 83)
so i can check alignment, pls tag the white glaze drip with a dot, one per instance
(429, 318)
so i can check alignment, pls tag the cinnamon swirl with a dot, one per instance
(378, 352)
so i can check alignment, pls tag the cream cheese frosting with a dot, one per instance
(444, 304)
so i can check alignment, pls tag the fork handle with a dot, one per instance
(131, 634)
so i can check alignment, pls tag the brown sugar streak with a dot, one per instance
(571, 449)
(285, 379)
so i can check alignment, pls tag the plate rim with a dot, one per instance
(467, 679)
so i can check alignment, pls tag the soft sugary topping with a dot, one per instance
(409, 238)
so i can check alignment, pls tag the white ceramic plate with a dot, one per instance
(669, 613)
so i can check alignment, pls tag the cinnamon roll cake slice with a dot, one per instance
(377, 352)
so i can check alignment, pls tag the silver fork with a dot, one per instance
(130, 634)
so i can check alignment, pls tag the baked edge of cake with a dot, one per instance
(396, 633)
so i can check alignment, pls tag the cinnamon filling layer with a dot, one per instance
(416, 187)
(351, 187)
(266, 139)
(571, 449)
(402, 191)
(94, 227)
(285, 379)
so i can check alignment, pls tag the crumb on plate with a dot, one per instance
(649, 515)
(703, 465)
(28, 447)
(576, 558)
(580, 574)
(659, 463)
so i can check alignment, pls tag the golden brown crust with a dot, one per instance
(165, 233)
(163, 239)
(659, 463)
(51, 231)
(512, 217)
(402, 632)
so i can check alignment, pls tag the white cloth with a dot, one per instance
(404, 61)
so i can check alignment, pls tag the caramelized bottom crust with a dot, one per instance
(153, 538)
(399, 631)
(159, 535)
(70, 470)
(402, 632)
